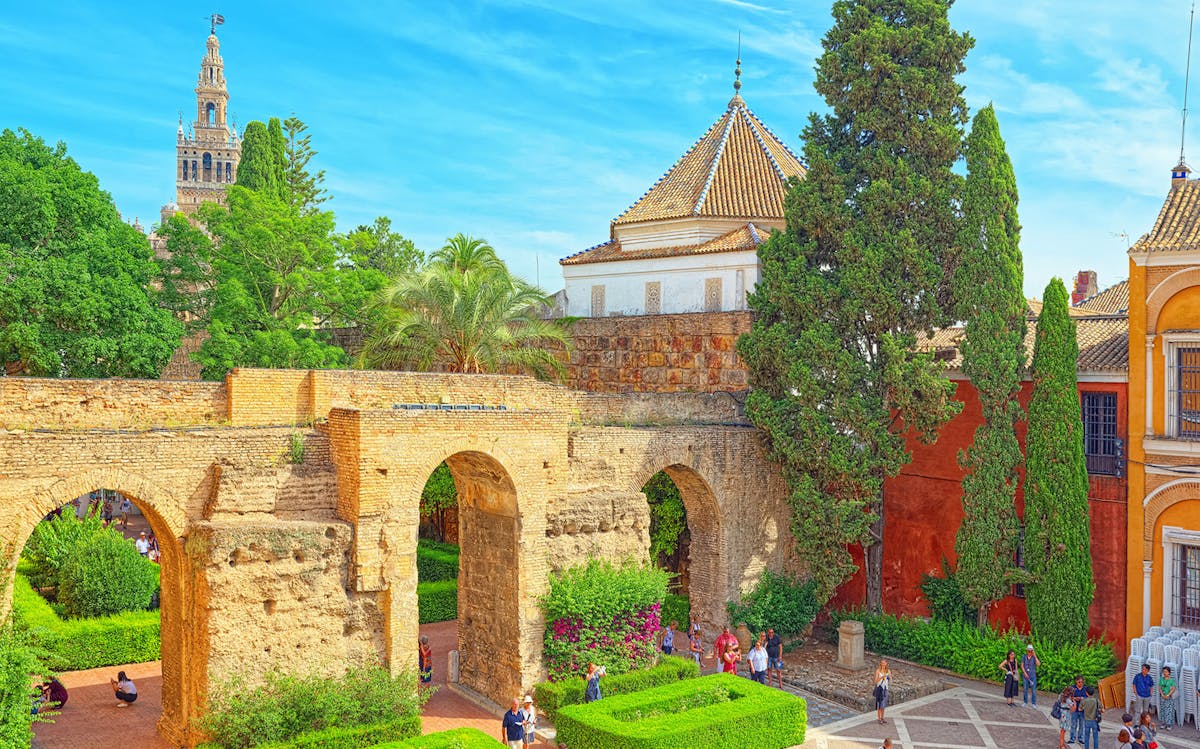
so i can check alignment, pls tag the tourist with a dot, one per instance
(1077, 694)
(757, 658)
(512, 728)
(142, 544)
(1029, 667)
(1066, 708)
(774, 657)
(591, 693)
(425, 660)
(1124, 739)
(530, 713)
(1166, 699)
(1092, 713)
(108, 512)
(52, 695)
(1010, 669)
(1146, 723)
(1127, 722)
(126, 507)
(883, 682)
(723, 641)
(730, 659)
(695, 645)
(887, 744)
(1141, 740)
(124, 689)
(155, 552)
(668, 640)
(1143, 689)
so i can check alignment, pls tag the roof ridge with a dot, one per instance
(712, 169)
(671, 168)
(763, 145)
(775, 137)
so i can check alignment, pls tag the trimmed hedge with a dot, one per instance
(437, 602)
(436, 561)
(106, 575)
(551, 696)
(964, 649)
(721, 711)
(355, 737)
(455, 738)
(78, 644)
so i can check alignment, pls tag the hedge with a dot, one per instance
(436, 561)
(437, 602)
(78, 644)
(721, 711)
(965, 649)
(355, 737)
(551, 696)
(455, 738)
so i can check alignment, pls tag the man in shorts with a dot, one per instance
(774, 657)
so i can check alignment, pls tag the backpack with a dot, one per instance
(1056, 711)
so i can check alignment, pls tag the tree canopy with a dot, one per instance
(78, 297)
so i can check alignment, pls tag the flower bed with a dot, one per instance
(721, 711)
(552, 696)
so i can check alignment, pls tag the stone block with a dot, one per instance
(851, 641)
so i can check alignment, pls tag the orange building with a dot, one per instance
(1163, 565)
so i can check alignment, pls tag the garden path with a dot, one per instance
(91, 718)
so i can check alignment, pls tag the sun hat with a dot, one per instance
(1029, 647)
(528, 699)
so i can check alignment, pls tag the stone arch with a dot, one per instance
(1157, 501)
(708, 579)
(166, 520)
(1167, 288)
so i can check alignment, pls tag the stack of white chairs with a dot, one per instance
(1192, 637)
(1187, 684)
(1154, 659)
(1133, 667)
(1173, 658)
(1153, 633)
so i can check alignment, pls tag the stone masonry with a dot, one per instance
(305, 560)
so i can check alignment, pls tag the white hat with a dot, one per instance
(1029, 647)
(528, 699)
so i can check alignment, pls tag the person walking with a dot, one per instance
(1029, 667)
(1092, 713)
(668, 640)
(695, 645)
(530, 720)
(1167, 692)
(591, 692)
(512, 727)
(758, 659)
(883, 682)
(1078, 693)
(1143, 689)
(425, 660)
(126, 508)
(1066, 707)
(123, 689)
(1010, 668)
(774, 657)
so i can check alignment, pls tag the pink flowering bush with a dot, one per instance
(602, 613)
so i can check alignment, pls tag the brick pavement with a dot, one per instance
(92, 719)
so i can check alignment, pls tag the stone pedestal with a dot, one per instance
(850, 646)
(452, 667)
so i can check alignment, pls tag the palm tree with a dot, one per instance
(464, 312)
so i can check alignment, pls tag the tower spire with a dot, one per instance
(737, 77)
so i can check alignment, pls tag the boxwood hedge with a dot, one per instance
(721, 711)
(552, 696)
(437, 602)
(436, 561)
(456, 738)
(354, 737)
(78, 644)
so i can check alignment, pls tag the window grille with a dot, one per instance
(1186, 587)
(1183, 395)
(1101, 447)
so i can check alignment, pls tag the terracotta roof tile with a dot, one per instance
(1113, 300)
(746, 237)
(738, 169)
(1178, 226)
(1103, 343)
(1033, 308)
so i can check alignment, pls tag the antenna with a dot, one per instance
(1186, 79)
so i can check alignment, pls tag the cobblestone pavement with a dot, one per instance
(820, 710)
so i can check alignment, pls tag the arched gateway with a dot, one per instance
(287, 507)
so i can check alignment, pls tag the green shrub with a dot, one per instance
(436, 562)
(676, 609)
(945, 599)
(53, 541)
(552, 696)
(106, 575)
(970, 651)
(437, 602)
(17, 662)
(290, 707)
(78, 644)
(355, 737)
(721, 711)
(777, 601)
(455, 738)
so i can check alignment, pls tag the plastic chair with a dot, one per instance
(1137, 646)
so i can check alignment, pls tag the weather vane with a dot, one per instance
(216, 19)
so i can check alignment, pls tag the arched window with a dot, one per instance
(185, 170)
(228, 172)
(195, 174)
(210, 113)
(208, 176)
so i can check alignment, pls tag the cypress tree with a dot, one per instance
(988, 297)
(279, 157)
(1057, 536)
(259, 169)
(857, 275)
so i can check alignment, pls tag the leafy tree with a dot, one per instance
(77, 298)
(187, 283)
(438, 496)
(1057, 537)
(304, 189)
(54, 540)
(857, 275)
(464, 312)
(668, 522)
(377, 247)
(989, 298)
(278, 156)
(18, 661)
(106, 575)
(260, 166)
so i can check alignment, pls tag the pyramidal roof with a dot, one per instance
(738, 169)
(1178, 226)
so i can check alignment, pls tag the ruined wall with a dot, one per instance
(44, 403)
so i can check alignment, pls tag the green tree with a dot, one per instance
(668, 523)
(78, 295)
(1057, 537)
(260, 166)
(464, 312)
(187, 283)
(857, 275)
(106, 575)
(304, 189)
(438, 496)
(990, 301)
(377, 247)
(279, 157)
(18, 662)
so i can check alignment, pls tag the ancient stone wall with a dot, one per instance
(30, 402)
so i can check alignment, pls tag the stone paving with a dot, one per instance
(92, 719)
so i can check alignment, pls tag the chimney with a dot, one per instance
(1179, 174)
(1085, 285)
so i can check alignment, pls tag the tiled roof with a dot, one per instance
(746, 237)
(1103, 343)
(1033, 308)
(1112, 301)
(738, 169)
(1178, 226)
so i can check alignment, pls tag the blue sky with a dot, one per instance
(533, 124)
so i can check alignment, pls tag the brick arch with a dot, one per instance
(1157, 501)
(166, 518)
(1167, 288)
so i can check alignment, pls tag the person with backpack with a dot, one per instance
(1061, 711)
(1092, 714)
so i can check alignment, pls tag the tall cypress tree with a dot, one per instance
(857, 275)
(279, 157)
(1057, 536)
(260, 169)
(988, 297)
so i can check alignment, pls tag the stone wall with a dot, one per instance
(44, 403)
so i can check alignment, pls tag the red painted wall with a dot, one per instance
(923, 510)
